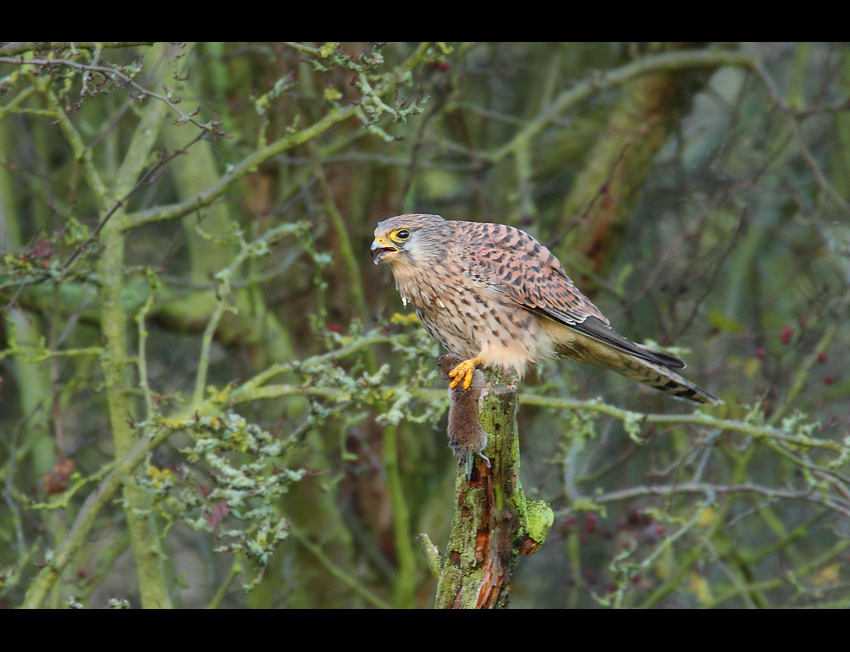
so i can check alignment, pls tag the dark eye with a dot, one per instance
(402, 234)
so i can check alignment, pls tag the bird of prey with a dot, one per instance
(496, 297)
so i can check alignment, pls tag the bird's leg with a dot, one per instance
(463, 372)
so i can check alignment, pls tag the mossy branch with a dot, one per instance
(17, 48)
(78, 535)
(493, 522)
(248, 164)
(666, 62)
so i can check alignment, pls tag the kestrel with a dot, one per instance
(496, 297)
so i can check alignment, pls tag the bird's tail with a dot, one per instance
(647, 372)
(660, 377)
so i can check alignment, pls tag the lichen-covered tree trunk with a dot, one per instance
(493, 521)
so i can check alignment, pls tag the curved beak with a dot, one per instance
(380, 249)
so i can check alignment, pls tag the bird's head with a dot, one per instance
(406, 239)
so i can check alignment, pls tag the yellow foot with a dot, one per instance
(463, 372)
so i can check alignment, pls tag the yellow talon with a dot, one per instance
(464, 372)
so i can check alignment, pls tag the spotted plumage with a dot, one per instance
(495, 296)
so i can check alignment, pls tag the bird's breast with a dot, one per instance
(468, 320)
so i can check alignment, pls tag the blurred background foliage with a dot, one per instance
(209, 396)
